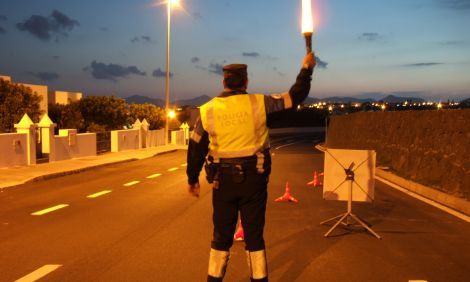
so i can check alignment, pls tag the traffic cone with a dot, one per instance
(287, 197)
(239, 234)
(316, 182)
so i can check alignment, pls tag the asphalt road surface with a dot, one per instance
(106, 226)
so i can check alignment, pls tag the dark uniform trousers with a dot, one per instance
(241, 189)
(246, 193)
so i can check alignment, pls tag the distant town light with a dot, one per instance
(171, 114)
(383, 107)
(330, 108)
(439, 106)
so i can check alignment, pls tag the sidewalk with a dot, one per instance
(14, 176)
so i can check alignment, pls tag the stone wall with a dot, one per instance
(428, 147)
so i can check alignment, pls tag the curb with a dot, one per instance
(79, 170)
(455, 203)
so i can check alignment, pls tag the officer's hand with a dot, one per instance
(309, 61)
(194, 189)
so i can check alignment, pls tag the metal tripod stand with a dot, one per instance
(344, 218)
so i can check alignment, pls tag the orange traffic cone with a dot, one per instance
(239, 235)
(287, 197)
(315, 182)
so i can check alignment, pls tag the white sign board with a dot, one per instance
(336, 187)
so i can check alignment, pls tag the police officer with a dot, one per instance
(231, 139)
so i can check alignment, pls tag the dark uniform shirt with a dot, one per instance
(199, 142)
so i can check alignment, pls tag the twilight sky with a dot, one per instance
(366, 47)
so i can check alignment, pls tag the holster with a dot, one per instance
(212, 171)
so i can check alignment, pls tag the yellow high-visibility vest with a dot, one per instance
(236, 125)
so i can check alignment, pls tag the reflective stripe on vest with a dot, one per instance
(236, 125)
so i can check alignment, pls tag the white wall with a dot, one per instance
(13, 149)
(62, 148)
(155, 138)
(177, 138)
(85, 145)
(122, 140)
(75, 146)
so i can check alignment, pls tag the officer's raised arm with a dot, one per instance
(297, 93)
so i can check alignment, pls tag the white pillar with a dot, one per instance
(145, 130)
(46, 126)
(138, 125)
(26, 126)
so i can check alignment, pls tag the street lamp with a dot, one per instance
(169, 3)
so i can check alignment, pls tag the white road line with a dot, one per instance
(39, 273)
(132, 183)
(96, 195)
(426, 200)
(154, 176)
(285, 145)
(173, 169)
(51, 209)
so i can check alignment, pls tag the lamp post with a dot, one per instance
(167, 89)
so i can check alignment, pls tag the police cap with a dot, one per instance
(235, 75)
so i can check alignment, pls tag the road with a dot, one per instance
(152, 230)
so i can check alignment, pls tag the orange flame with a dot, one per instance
(307, 18)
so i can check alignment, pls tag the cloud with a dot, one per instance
(112, 72)
(216, 68)
(143, 38)
(3, 18)
(250, 54)
(195, 60)
(146, 38)
(369, 36)
(425, 64)
(46, 27)
(278, 72)
(455, 4)
(45, 76)
(453, 42)
(104, 29)
(2, 30)
(159, 73)
(320, 63)
(197, 16)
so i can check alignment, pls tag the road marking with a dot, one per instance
(39, 273)
(426, 200)
(51, 209)
(173, 169)
(132, 183)
(184, 165)
(417, 280)
(285, 145)
(96, 195)
(154, 176)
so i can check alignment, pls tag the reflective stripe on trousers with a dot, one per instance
(257, 265)
(218, 261)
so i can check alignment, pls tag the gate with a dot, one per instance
(103, 142)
